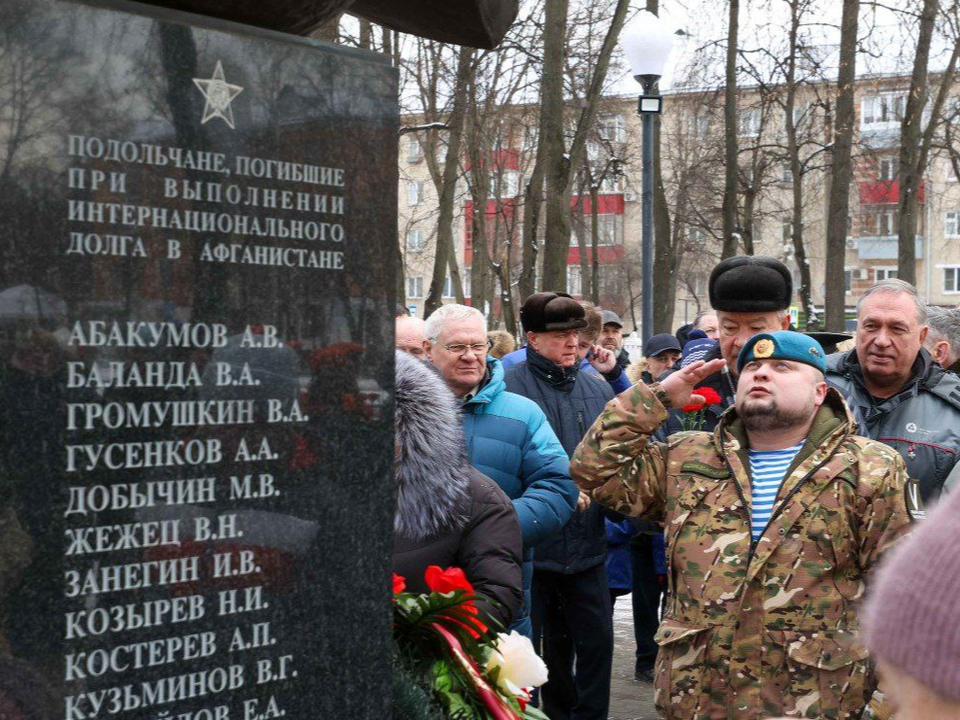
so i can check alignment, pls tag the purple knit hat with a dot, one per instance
(912, 615)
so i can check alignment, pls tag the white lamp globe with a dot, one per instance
(646, 41)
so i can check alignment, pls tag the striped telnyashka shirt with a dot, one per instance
(767, 468)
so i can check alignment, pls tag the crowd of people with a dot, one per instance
(742, 482)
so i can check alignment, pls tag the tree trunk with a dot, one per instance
(560, 167)
(911, 172)
(580, 230)
(502, 271)
(796, 174)
(557, 240)
(366, 34)
(731, 132)
(455, 280)
(841, 173)
(387, 42)
(329, 31)
(594, 245)
(532, 200)
(451, 167)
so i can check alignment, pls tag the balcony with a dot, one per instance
(883, 247)
(879, 136)
(886, 192)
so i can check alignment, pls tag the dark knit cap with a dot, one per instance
(912, 615)
(545, 311)
(750, 283)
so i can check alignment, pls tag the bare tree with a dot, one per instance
(911, 170)
(841, 174)
(731, 133)
(561, 163)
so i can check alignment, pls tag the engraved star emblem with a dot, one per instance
(218, 94)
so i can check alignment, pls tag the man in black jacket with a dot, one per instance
(571, 603)
(751, 294)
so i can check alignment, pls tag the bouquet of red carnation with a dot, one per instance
(693, 415)
(450, 663)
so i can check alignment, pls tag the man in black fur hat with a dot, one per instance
(751, 294)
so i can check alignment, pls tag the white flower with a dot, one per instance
(519, 665)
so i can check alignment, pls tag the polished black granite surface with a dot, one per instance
(197, 227)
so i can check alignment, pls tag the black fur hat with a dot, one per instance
(750, 283)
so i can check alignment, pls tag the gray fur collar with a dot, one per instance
(430, 464)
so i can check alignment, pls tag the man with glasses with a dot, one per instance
(571, 601)
(508, 437)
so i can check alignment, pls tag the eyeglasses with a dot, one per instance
(461, 349)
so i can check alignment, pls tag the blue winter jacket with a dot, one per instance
(619, 571)
(509, 440)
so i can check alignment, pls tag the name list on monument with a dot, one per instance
(194, 317)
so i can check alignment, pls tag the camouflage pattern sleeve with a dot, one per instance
(884, 518)
(617, 464)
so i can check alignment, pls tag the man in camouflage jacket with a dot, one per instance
(753, 629)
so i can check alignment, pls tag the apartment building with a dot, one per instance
(692, 168)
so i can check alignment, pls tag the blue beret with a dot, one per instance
(783, 345)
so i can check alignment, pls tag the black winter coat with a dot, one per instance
(571, 400)
(448, 513)
(486, 548)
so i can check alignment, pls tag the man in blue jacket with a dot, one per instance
(508, 437)
(571, 601)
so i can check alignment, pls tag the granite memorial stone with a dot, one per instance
(197, 227)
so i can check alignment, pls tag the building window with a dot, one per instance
(414, 193)
(887, 168)
(573, 279)
(951, 280)
(786, 174)
(414, 149)
(882, 109)
(611, 128)
(949, 171)
(951, 224)
(749, 124)
(530, 136)
(699, 284)
(696, 236)
(415, 287)
(609, 230)
(611, 183)
(786, 232)
(448, 288)
(504, 184)
(611, 284)
(848, 280)
(885, 223)
(415, 241)
(884, 273)
(698, 125)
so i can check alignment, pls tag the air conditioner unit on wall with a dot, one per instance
(629, 197)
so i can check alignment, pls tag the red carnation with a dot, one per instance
(399, 584)
(709, 395)
(449, 580)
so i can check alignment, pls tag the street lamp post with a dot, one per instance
(647, 41)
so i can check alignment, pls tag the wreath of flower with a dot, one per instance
(447, 646)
